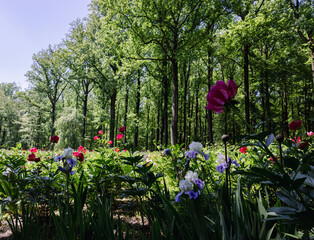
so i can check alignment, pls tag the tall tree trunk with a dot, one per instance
(85, 111)
(137, 109)
(246, 85)
(175, 92)
(164, 131)
(158, 119)
(312, 57)
(285, 109)
(174, 116)
(209, 83)
(53, 118)
(196, 137)
(147, 127)
(126, 114)
(186, 75)
(113, 99)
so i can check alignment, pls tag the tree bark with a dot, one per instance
(246, 85)
(126, 114)
(174, 116)
(113, 99)
(137, 109)
(209, 113)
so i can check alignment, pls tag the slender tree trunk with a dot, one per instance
(137, 109)
(113, 99)
(312, 56)
(209, 113)
(126, 114)
(158, 120)
(85, 112)
(164, 130)
(246, 85)
(53, 118)
(186, 75)
(174, 116)
(196, 137)
(285, 109)
(147, 127)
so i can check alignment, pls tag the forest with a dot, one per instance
(148, 65)
(165, 120)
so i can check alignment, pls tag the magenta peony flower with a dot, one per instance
(122, 129)
(96, 137)
(220, 94)
(119, 136)
(310, 133)
(33, 150)
(100, 133)
(80, 149)
(243, 149)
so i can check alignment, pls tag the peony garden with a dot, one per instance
(162, 120)
(261, 188)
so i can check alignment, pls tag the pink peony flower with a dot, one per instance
(33, 150)
(80, 149)
(54, 139)
(109, 142)
(100, 133)
(75, 154)
(294, 125)
(243, 149)
(119, 136)
(96, 137)
(220, 94)
(310, 134)
(122, 129)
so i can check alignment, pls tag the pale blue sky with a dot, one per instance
(28, 26)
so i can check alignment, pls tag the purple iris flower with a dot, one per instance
(67, 169)
(72, 162)
(177, 198)
(191, 154)
(221, 167)
(192, 194)
(187, 164)
(206, 156)
(199, 183)
(58, 158)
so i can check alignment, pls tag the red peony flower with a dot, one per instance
(243, 149)
(119, 136)
(31, 157)
(37, 159)
(80, 149)
(80, 156)
(303, 145)
(96, 137)
(117, 150)
(219, 94)
(33, 150)
(294, 125)
(100, 133)
(54, 139)
(122, 129)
